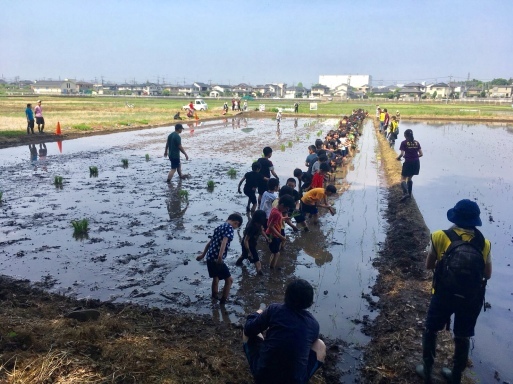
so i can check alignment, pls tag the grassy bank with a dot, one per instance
(77, 114)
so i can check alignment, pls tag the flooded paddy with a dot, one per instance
(474, 161)
(143, 237)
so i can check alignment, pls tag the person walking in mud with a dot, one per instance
(40, 120)
(174, 147)
(30, 119)
(462, 262)
(291, 351)
(411, 151)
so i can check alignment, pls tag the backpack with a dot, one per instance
(460, 272)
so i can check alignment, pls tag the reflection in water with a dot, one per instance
(33, 152)
(295, 122)
(220, 313)
(176, 206)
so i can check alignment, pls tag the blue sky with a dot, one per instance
(256, 41)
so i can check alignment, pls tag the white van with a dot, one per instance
(199, 105)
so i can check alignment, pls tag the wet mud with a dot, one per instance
(144, 235)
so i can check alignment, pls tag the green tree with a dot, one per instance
(433, 96)
(300, 84)
(482, 94)
(166, 92)
(499, 81)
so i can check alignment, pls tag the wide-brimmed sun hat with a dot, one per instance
(465, 214)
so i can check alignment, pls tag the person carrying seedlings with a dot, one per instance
(313, 199)
(278, 117)
(273, 185)
(462, 262)
(174, 146)
(291, 352)
(253, 179)
(216, 251)
(266, 169)
(253, 230)
(411, 151)
(30, 119)
(274, 226)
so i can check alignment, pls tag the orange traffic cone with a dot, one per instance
(196, 116)
(58, 130)
(59, 145)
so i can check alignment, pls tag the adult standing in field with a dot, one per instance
(291, 351)
(411, 151)
(174, 147)
(40, 121)
(30, 119)
(378, 111)
(296, 107)
(462, 262)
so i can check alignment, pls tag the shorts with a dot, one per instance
(220, 271)
(253, 251)
(30, 124)
(175, 163)
(40, 120)
(465, 314)
(252, 350)
(251, 194)
(410, 168)
(274, 245)
(306, 209)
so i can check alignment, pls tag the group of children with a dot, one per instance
(388, 125)
(274, 207)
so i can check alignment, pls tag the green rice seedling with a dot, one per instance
(184, 195)
(232, 172)
(282, 147)
(210, 185)
(290, 144)
(125, 163)
(319, 133)
(1, 194)
(57, 181)
(80, 227)
(93, 171)
(308, 136)
(297, 138)
(147, 157)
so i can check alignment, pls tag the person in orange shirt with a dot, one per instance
(317, 197)
(274, 225)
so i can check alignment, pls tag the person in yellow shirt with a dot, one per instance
(311, 200)
(458, 286)
(393, 131)
(381, 120)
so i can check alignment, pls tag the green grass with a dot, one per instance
(143, 122)
(93, 171)
(290, 144)
(80, 227)
(1, 194)
(11, 133)
(232, 172)
(282, 147)
(124, 162)
(147, 157)
(57, 180)
(82, 127)
(211, 184)
(184, 195)
(319, 133)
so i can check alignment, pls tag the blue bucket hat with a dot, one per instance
(465, 214)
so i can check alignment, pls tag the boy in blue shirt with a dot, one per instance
(30, 119)
(216, 251)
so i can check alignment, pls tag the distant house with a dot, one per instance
(242, 89)
(502, 91)
(295, 92)
(84, 87)
(187, 90)
(266, 90)
(174, 90)
(55, 87)
(201, 87)
(412, 89)
(341, 90)
(442, 90)
(221, 89)
(383, 91)
(319, 90)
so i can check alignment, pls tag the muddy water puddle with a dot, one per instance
(474, 161)
(144, 237)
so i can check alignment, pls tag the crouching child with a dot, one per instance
(274, 226)
(216, 251)
(253, 230)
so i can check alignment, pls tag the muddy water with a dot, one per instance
(474, 161)
(143, 237)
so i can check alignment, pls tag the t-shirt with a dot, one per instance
(318, 180)
(411, 150)
(285, 351)
(39, 111)
(266, 166)
(253, 179)
(382, 116)
(440, 242)
(306, 180)
(224, 230)
(310, 160)
(313, 196)
(173, 142)
(266, 202)
(29, 113)
(275, 220)
(252, 232)
(393, 126)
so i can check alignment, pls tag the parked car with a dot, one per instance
(199, 105)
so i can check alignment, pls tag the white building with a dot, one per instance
(332, 81)
(55, 87)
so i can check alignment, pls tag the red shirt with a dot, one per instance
(275, 220)
(318, 180)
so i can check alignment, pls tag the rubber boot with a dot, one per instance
(404, 187)
(461, 349)
(410, 186)
(428, 356)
